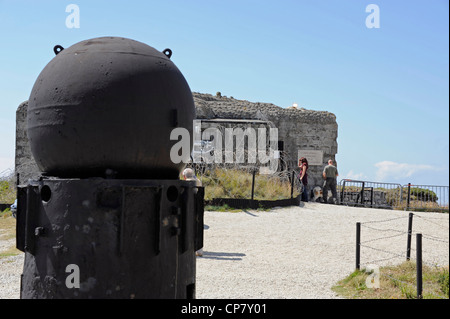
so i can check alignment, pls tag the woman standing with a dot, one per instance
(303, 164)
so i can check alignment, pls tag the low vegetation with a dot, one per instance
(7, 192)
(7, 234)
(222, 208)
(223, 183)
(396, 282)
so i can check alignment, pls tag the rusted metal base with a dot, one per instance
(115, 238)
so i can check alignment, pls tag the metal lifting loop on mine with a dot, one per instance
(57, 49)
(168, 53)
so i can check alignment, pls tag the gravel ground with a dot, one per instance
(301, 252)
(293, 252)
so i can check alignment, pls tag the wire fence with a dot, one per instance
(236, 176)
(394, 196)
(391, 241)
(6, 174)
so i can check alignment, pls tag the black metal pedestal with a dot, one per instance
(115, 238)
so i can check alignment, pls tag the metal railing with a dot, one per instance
(426, 197)
(370, 194)
(393, 196)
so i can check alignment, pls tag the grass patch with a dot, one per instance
(228, 209)
(12, 251)
(8, 232)
(234, 183)
(396, 282)
(224, 208)
(421, 206)
(7, 192)
(7, 225)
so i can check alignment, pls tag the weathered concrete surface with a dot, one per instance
(25, 165)
(298, 128)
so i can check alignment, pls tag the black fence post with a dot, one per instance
(292, 184)
(342, 193)
(358, 246)
(371, 197)
(253, 182)
(408, 244)
(409, 196)
(419, 265)
(362, 194)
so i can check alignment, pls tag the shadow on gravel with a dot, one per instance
(222, 255)
(248, 213)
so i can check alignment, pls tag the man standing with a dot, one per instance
(330, 173)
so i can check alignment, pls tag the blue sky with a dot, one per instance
(387, 86)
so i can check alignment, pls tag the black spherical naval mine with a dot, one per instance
(105, 105)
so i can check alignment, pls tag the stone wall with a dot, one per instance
(25, 165)
(298, 128)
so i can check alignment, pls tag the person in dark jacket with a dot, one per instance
(303, 176)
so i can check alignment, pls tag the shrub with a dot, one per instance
(421, 194)
(7, 192)
(443, 281)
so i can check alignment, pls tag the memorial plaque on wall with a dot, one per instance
(314, 157)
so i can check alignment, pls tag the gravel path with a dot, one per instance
(10, 271)
(301, 252)
(294, 252)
